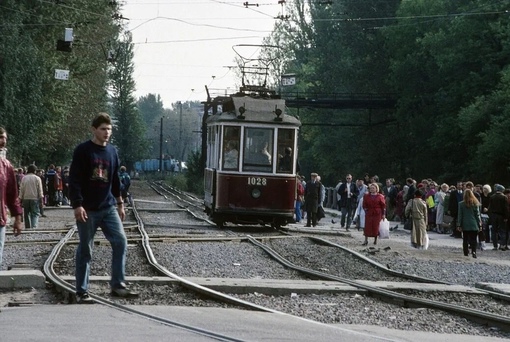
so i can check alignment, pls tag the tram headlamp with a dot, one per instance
(242, 110)
(278, 112)
(255, 193)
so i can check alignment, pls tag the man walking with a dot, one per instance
(94, 187)
(348, 192)
(8, 195)
(31, 193)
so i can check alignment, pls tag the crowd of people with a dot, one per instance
(39, 188)
(474, 212)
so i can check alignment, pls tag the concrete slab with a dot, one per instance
(413, 336)
(285, 286)
(496, 287)
(22, 279)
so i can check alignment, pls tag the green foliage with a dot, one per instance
(129, 128)
(445, 62)
(45, 118)
(177, 180)
(195, 173)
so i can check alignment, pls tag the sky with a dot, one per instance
(183, 45)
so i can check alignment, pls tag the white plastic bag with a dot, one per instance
(426, 242)
(384, 229)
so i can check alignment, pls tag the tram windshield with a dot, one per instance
(258, 149)
(231, 148)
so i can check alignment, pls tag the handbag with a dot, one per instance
(320, 212)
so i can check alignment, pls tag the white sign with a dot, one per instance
(61, 74)
(288, 80)
(68, 35)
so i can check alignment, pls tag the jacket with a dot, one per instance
(468, 218)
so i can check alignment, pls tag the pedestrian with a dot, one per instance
(416, 210)
(8, 195)
(125, 183)
(374, 206)
(469, 221)
(440, 208)
(453, 207)
(498, 214)
(312, 198)
(49, 180)
(31, 193)
(94, 187)
(348, 192)
(300, 192)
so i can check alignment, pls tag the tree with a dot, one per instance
(129, 127)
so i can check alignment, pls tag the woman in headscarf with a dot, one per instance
(417, 209)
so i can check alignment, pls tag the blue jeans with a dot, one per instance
(31, 213)
(298, 211)
(2, 241)
(109, 221)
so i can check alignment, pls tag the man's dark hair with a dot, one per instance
(2, 130)
(31, 168)
(101, 118)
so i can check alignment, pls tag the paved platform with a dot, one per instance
(100, 323)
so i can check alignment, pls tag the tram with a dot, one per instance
(251, 158)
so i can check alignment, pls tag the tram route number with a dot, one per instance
(257, 181)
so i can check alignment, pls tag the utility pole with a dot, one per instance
(180, 133)
(161, 146)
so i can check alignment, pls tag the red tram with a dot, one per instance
(250, 175)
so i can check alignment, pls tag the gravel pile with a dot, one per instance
(443, 263)
(364, 310)
(220, 260)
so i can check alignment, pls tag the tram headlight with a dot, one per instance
(255, 193)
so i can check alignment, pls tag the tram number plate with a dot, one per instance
(257, 181)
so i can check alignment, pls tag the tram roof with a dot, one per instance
(259, 110)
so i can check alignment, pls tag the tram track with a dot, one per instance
(394, 297)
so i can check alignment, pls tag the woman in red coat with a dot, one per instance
(374, 206)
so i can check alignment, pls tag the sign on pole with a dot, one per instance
(289, 80)
(61, 74)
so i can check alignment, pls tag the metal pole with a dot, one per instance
(161, 146)
(180, 133)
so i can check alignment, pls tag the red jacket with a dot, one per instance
(8, 192)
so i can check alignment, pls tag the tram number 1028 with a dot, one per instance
(257, 181)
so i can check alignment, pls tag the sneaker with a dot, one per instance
(124, 292)
(84, 298)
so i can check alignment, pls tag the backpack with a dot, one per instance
(125, 182)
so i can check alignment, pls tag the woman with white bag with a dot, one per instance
(374, 206)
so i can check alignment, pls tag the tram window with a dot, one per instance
(258, 149)
(231, 147)
(285, 150)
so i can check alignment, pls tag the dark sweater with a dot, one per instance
(498, 204)
(94, 180)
